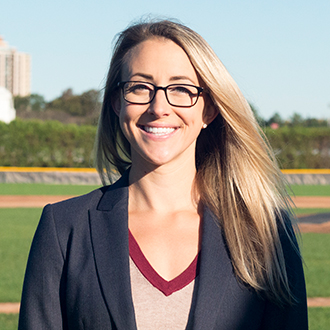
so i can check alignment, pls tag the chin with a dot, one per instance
(154, 160)
(159, 161)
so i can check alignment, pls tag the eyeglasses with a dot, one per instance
(177, 95)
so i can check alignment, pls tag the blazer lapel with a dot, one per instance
(215, 272)
(109, 232)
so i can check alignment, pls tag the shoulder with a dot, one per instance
(70, 220)
(99, 199)
(288, 234)
(75, 211)
(81, 203)
(69, 215)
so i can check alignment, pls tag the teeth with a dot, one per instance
(159, 130)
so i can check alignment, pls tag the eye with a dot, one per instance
(137, 88)
(183, 89)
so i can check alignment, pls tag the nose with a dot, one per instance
(159, 106)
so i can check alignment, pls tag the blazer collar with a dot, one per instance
(109, 233)
(215, 273)
(115, 194)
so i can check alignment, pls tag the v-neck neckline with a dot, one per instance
(166, 287)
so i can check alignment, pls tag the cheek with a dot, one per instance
(197, 117)
(123, 125)
(127, 123)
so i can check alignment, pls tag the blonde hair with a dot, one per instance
(237, 176)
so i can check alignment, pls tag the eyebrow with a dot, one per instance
(180, 78)
(150, 77)
(143, 75)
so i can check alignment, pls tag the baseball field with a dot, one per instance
(21, 206)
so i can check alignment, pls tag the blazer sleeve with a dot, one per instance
(41, 306)
(291, 316)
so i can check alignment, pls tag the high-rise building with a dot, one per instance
(15, 70)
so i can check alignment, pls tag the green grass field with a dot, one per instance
(57, 189)
(299, 211)
(315, 250)
(310, 190)
(319, 318)
(17, 228)
(8, 321)
(44, 189)
(19, 224)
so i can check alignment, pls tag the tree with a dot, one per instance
(77, 105)
(296, 120)
(313, 122)
(90, 102)
(33, 102)
(68, 108)
(275, 119)
(21, 103)
(37, 102)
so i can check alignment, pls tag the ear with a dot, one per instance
(116, 104)
(210, 112)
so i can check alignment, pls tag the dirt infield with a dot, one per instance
(311, 202)
(315, 227)
(9, 308)
(29, 201)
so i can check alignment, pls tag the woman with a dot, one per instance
(194, 234)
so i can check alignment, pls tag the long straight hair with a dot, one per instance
(237, 175)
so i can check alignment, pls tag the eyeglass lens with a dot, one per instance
(177, 94)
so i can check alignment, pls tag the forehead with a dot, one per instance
(158, 57)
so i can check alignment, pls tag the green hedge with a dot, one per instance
(301, 147)
(51, 143)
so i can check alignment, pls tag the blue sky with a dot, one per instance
(277, 51)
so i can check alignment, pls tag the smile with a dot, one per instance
(158, 130)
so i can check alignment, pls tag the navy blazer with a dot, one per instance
(78, 275)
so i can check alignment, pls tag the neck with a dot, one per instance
(164, 188)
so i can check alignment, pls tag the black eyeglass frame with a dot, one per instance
(121, 85)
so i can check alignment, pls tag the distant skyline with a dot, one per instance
(15, 73)
(277, 51)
